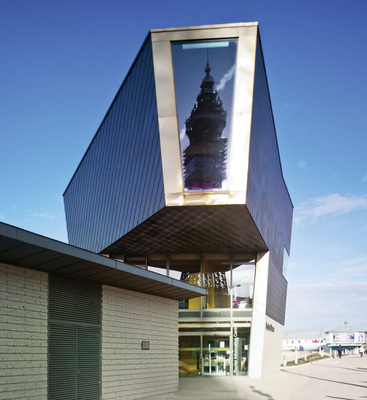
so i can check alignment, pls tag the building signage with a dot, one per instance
(348, 337)
(270, 327)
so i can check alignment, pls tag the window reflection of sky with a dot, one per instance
(243, 280)
(189, 62)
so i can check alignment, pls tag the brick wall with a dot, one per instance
(23, 333)
(128, 318)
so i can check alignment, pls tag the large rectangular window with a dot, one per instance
(243, 277)
(204, 81)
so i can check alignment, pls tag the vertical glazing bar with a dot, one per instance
(167, 264)
(201, 354)
(202, 298)
(231, 335)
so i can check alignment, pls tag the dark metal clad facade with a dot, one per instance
(74, 367)
(119, 183)
(268, 199)
(277, 295)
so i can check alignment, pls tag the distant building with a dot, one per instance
(346, 336)
(304, 339)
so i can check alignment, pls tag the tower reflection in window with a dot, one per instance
(204, 109)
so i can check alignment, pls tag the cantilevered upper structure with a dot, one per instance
(184, 177)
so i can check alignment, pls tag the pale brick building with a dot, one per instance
(73, 323)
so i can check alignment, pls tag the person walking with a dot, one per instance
(361, 350)
(340, 351)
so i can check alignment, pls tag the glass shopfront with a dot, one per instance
(241, 341)
(190, 355)
(216, 355)
(209, 353)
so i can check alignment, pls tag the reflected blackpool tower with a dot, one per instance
(204, 158)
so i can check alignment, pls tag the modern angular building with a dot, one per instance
(184, 178)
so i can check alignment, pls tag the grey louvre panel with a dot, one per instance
(89, 365)
(119, 182)
(74, 367)
(74, 301)
(62, 362)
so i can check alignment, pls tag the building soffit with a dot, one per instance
(29, 250)
(192, 229)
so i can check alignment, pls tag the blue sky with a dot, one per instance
(62, 62)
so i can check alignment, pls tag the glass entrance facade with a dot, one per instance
(214, 353)
(190, 355)
(214, 330)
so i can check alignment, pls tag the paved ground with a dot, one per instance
(334, 378)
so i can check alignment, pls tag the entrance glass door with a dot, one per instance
(216, 355)
(190, 355)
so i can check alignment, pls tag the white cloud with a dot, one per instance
(335, 175)
(184, 140)
(182, 134)
(328, 250)
(226, 78)
(42, 215)
(332, 204)
(328, 270)
(350, 269)
(302, 164)
(326, 305)
(353, 269)
(290, 107)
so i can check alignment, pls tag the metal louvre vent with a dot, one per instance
(74, 301)
(62, 375)
(89, 363)
(74, 367)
